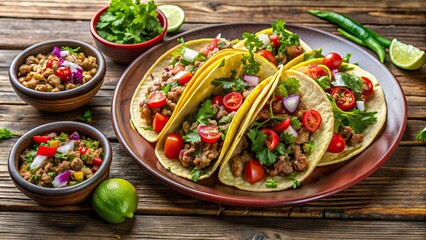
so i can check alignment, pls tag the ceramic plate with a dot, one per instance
(323, 182)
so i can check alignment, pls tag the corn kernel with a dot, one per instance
(78, 176)
(54, 143)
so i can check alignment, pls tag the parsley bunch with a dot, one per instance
(128, 22)
(252, 44)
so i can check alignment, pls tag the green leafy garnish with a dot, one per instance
(292, 177)
(73, 51)
(251, 66)
(225, 119)
(316, 54)
(222, 63)
(271, 183)
(86, 117)
(231, 83)
(257, 139)
(169, 86)
(90, 143)
(421, 136)
(196, 174)
(148, 128)
(347, 57)
(323, 82)
(205, 112)
(352, 81)
(63, 137)
(128, 22)
(5, 133)
(287, 87)
(295, 123)
(192, 137)
(285, 38)
(308, 147)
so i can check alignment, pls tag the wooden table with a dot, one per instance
(391, 203)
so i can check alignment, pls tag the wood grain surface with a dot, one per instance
(389, 202)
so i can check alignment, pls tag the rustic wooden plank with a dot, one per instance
(41, 226)
(383, 195)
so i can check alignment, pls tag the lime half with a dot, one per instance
(406, 56)
(175, 17)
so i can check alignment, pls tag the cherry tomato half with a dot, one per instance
(272, 141)
(213, 44)
(316, 71)
(311, 120)
(51, 62)
(268, 55)
(41, 139)
(275, 39)
(232, 101)
(209, 133)
(97, 161)
(159, 122)
(337, 144)
(157, 100)
(174, 143)
(46, 151)
(367, 88)
(332, 60)
(218, 100)
(254, 171)
(83, 150)
(282, 126)
(344, 98)
(63, 72)
(185, 78)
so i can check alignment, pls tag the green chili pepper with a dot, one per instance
(382, 40)
(350, 37)
(354, 28)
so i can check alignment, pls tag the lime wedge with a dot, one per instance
(406, 56)
(175, 17)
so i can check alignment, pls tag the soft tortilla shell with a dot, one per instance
(314, 98)
(203, 91)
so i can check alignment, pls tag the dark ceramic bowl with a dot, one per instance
(66, 195)
(58, 101)
(125, 53)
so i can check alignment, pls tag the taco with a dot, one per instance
(284, 140)
(197, 140)
(358, 102)
(276, 44)
(169, 81)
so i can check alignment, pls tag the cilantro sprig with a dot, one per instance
(288, 87)
(421, 136)
(86, 116)
(252, 44)
(129, 22)
(233, 83)
(5, 133)
(286, 38)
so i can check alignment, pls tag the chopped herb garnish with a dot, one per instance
(169, 86)
(225, 119)
(86, 117)
(231, 83)
(347, 57)
(192, 137)
(222, 63)
(5, 133)
(196, 174)
(271, 183)
(352, 81)
(63, 137)
(73, 51)
(205, 112)
(421, 136)
(308, 147)
(323, 82)
(148, 128)
(292, 176)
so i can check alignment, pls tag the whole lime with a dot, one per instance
(114, 200)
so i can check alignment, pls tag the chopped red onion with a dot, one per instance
(291, 103)
(75, 136)
(290, 130)
(56, 52)
(38, 160)
(66, 148)
(251, 80)
(263, 37)
(62, 179)
(360, 105)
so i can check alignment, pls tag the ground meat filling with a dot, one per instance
(351, 138)
(189, 156)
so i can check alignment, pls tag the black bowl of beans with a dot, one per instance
(58, 75)
(60, 163)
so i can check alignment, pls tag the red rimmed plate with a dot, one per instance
(323, 182)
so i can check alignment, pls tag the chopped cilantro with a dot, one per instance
(257, 139)
(196, 174)
(86, 117)
(192, 137)
(205, 112)
(61, 155)
(252, 43)
(295, 123)
(352, 81)
(71, 50)
(231, 83)
(63, 137)
(292, 177)
(221, 44)
(347, 57)
(30, 156)
(225, 119)
(287, 87)
(312, 55)
(169, 86)
(421, 136)
(148, 128)
(5, 133)
(271, 183)
(282, 149)
(266, 157)
(286, 38)
(308, 147)
(323, 82)
(287, 138)
(90, 143)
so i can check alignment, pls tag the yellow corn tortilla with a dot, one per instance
(156, 71)
(375, 103)
(314, 98)
(204, 90)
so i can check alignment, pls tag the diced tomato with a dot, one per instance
(159, 122)
(344, 98)
(83, 150)
(218, 100)
(64, 73)
(51, 62)
(95, 169)
(41, 139)
(275, 39)
(254, 171)
(282, 126)
(157, 100)
(337, 144)
(46, 151)
(367, 88)
(184, 78)
(311, 120)
(316, 71)
(272, 141)
(268, 55)
(332, 60)
(174, 143)
(232, 101)
(213, 44)
(97, 161)
(209, 133)
(294, 51)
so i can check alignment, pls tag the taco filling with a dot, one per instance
(278, 141)
(163, 95)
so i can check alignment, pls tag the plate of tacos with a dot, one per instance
(258, 115)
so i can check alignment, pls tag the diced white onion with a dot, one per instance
(66, 148)
(189, 54)
(38, 160)
(72, 66)
(290, 130)
(251, 80)
(265, 39)
(64, 53)
(360, 105)
(180, 74)
(338, 81)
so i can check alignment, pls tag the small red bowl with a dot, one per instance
(125, 53)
